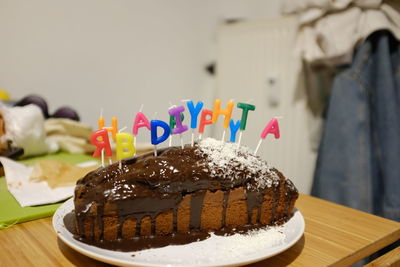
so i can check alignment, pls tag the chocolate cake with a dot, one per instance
(179, 196)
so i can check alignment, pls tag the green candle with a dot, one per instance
(245, 110)
(172, 122)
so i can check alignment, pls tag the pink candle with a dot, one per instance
(140, 121)
(271, 128)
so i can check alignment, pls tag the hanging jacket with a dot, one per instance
(359, 156)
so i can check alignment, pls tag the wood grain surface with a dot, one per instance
(335, 235)
(391, 258)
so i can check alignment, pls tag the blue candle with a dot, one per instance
(155, 139)
(194, 112)
(234, 127)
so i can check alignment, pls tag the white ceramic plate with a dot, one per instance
(214, 251)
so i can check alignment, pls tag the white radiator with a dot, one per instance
(255, 61)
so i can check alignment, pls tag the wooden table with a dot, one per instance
(334, 235)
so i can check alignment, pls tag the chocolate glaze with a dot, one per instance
(196, 202)
(147, 242)
(148, 186)
(224, 205)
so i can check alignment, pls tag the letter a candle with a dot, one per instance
(271, 128)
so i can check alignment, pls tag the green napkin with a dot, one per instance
(12, 213)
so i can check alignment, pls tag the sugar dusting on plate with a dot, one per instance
(224, 248)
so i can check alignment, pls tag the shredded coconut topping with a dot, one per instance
(228, 160)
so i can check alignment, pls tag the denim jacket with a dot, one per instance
(359, 156)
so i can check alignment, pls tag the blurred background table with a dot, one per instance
(335, 235)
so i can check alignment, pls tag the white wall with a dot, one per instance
(115, 54)
(250, 55)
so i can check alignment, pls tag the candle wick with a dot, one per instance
(141, 108)
(258, 146)
(122, 129)
(171, 105)
(101, 112)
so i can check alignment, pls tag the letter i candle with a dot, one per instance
(177, 114)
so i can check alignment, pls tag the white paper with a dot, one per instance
(29, 193)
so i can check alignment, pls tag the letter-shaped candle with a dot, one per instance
(172, 122)
(140, 121)
(176, 112)
(155, 139)
(194, 112)
(245, 110)
(234, 127)
(179, 129)
(125, 147)
(204, 121)
(271, 128)
(114, 126)
(101, 141)
(226, 112)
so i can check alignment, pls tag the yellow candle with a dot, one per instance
(226, 112)
(114, 126)
(125, 145)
